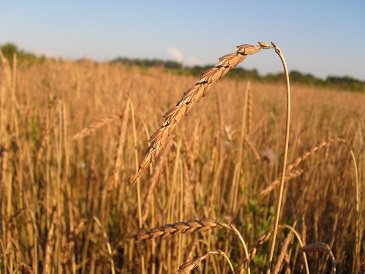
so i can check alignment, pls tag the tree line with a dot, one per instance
(333, 82)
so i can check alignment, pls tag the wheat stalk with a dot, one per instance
(192, 96)
(260, 241)
(152, 183)
(106, 238)
(283, 253)
(285, 157)
(189, 266)
(192, 248)
(263, 239)
(49, 244)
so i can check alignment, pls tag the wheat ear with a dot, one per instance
(96, 125)
(45, 131)
(170, 230)
(25, 269)
(289, 176)
(66, 253)
(249, 109)
(296, 162)
(190, 97)
(121, 139)
(302, 158)
(320, 248)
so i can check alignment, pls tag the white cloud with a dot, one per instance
(193, 61)
(175, 54)
(46, 53)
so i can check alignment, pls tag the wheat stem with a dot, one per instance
(243, 244)
(300, 243)
(189, 266)
(106, 238)
(278, 211)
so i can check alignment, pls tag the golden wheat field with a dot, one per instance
(73, 135)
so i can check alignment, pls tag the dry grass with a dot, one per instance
(43, 105)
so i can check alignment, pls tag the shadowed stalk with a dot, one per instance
(49, 245)
(358, 228)
(189, 266)
(137, 181)
(297, 173)
(153, 180)
(66, 252)
(300, 243)
(264, 238)
(283, 252)
(243, 244)
(260, 241)
(107, 244)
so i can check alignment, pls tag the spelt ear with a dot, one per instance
(320, 248)
(190, 97)
(174, 229)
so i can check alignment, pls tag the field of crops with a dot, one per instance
(73, 134)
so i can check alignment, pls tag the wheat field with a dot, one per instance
(73, 135)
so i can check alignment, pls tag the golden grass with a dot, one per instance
(189, 184)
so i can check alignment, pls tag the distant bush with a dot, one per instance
(296, 77)
(9, 49)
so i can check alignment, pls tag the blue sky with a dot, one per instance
(318, 37)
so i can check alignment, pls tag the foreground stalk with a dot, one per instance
(278, 211)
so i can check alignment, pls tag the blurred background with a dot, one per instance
(324, 38)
